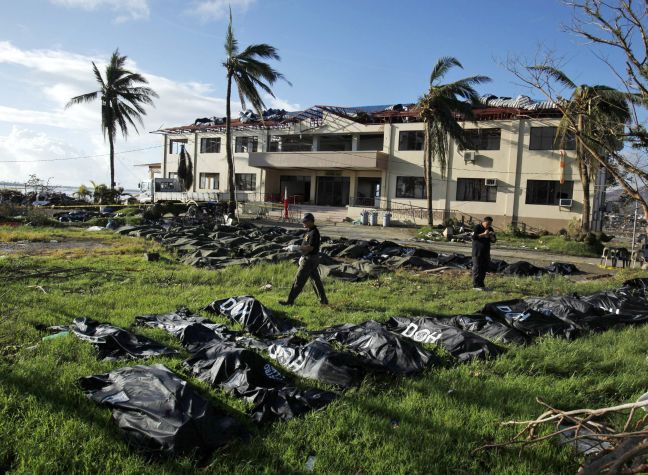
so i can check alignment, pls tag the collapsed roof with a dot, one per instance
(490, 108)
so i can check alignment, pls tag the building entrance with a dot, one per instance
(333, 190)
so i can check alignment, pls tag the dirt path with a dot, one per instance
(35, 248)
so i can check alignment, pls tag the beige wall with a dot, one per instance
(512, 165)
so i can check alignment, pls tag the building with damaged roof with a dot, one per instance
(372, 157)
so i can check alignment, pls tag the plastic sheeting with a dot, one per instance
(115, 342)
(193, 331)
(380, 347)
(247, 375)
(159, 412)
(461, 344)
(318, 360)
(347, 259)
(252, 315)
(517, 314)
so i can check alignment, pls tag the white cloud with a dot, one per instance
(217, 9)
(25, 145)
(51, 78)
(127, 9)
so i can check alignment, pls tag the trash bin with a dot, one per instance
(387, 220)
(373, 218)
(364, 217)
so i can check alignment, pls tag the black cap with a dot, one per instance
(308, 217)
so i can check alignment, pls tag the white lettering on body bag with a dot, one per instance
(423, 336)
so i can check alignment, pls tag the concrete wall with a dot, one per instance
(513, 165)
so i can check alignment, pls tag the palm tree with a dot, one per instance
(595, 116)
(441, 108)
(250, 74)
(122, 101)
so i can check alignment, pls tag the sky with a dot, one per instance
(334, 52)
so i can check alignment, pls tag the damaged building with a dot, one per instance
(358, 158)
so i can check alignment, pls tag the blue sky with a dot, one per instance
(343, 52)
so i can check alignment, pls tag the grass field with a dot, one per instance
(425, 424)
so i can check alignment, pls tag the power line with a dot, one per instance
(79, 158)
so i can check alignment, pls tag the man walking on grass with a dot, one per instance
(308, 263)
(482, 237)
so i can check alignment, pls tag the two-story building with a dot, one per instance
(516, 170)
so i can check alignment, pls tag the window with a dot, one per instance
(410, 187)
(176, 144)
(475, 189)
(483, 139)
(210, 145)
(547, 192)
(371, 142)
(245, 181)
(246, 144)
(290, 143)
(335, 143)
(546, 138)
(410, 140)
(209, 181)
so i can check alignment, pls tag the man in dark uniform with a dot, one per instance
(308, 263)
(483, 236)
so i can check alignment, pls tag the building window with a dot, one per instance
(483, 139)
(548, 192)
(246, 144)
(245, 181)
(475, 189)
(410, 187)
(410, 140)
(290, 143)
(547, 138)
(335, 143)
(210, 145)
(209, 181)
(371, 142)
(176, 144)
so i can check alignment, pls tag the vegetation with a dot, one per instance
(594, 111)
(252, 76)
(122, 101)
(439, 109)
(425, 424)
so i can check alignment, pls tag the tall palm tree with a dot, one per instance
(122, 101)
(441, 108)
(595, 116)
(250, 74)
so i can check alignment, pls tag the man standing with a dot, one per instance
(308, 263)
(483, 236)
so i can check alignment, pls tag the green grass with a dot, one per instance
(48, 426)
(549, 243)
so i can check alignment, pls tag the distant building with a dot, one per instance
(365, 157)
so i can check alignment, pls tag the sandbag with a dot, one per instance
(158, 412)
(115, 342)
(461, 344)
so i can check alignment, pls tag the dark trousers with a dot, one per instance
(308, 268)
(479, 268)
